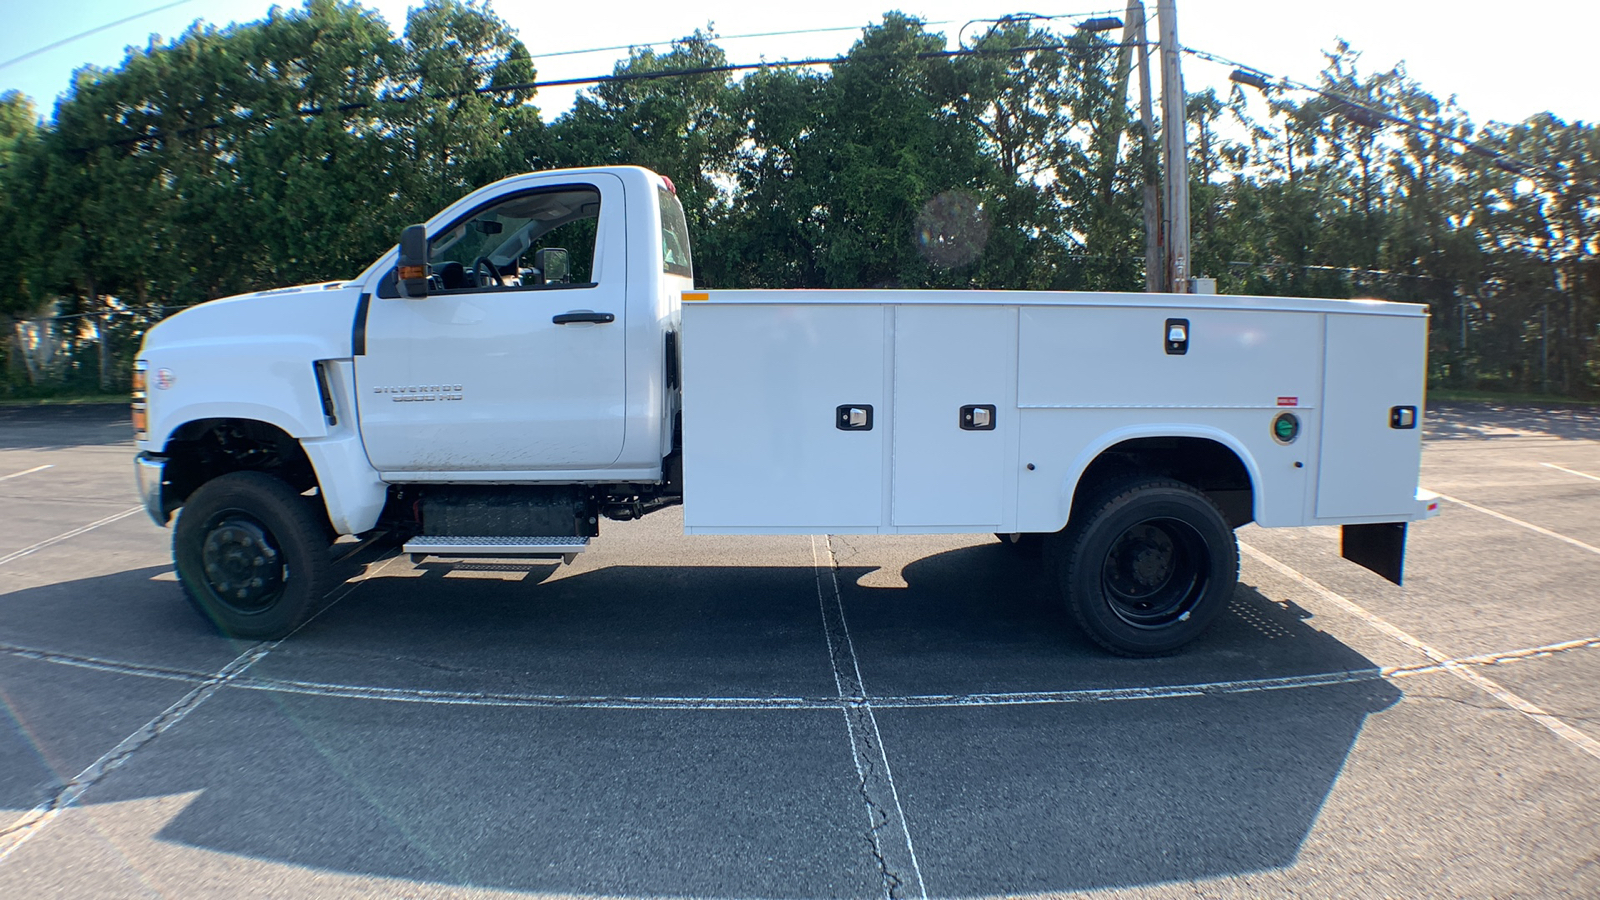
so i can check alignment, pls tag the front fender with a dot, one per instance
(276, 384)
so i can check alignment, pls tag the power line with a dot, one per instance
(609, 79)
(1504, 161)
(489, 63)
(721, 38)
(1025, 17)
(64, 41)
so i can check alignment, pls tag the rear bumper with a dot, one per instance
(149, 472)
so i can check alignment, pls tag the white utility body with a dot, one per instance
(537, 357)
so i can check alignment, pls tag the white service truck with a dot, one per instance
(537, 357)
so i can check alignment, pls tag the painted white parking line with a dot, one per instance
(1556, 726)
(884, 812)
(27, 471)
(427, 696)
(1515, 521)
(748, 704)
(49, 542)
(1571, 471)
(100, 664)
(624, 701)
(37, 819)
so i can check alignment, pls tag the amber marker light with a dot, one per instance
(141, 410)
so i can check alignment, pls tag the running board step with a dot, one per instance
(548, 547)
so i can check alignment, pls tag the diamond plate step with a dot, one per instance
(484, 545)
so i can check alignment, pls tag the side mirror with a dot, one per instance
(412, 269)
(553, 263)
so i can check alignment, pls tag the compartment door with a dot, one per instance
(1374, 364)
(947, 358)
(762, 385)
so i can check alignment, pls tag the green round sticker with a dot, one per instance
(1285, 428)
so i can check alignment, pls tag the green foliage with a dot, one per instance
(676, 125)
(294, 148)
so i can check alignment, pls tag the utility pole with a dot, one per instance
(1110, 135)
(1174, 127)
(1155, 264)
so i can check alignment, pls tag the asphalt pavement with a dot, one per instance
(808, 716)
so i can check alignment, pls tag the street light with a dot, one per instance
(1247, 77)
(1097, 25)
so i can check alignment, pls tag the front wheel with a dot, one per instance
(251, 554)
(1149, 565)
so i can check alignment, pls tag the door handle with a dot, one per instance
(583, 315)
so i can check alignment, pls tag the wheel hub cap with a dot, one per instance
(1154, 573)
(243, 565)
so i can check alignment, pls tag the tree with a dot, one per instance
(899, 174)
(20, 160)
(677, 125)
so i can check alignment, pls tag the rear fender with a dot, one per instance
(1093, 451)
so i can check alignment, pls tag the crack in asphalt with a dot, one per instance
(1481, 705)
(896, 866)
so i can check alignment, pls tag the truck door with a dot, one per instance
(505, 367)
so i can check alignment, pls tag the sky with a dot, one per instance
(1503, 62)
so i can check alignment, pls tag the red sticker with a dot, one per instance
(1288, 401)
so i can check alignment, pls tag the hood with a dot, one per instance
(318, 315)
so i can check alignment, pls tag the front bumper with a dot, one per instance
(150, 471)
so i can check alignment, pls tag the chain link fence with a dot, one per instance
(81, 354)
(73, 354)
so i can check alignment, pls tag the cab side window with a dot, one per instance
(536, 239)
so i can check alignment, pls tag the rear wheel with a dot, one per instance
(252, 555)
(1147, 566)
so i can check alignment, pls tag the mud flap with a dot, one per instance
(1380, 547)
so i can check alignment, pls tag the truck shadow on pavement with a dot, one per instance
(677, 730)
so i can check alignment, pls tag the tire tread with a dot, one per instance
(310, 578)
(1070, 542)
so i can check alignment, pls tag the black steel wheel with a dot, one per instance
(251, 554)
(1147, 565)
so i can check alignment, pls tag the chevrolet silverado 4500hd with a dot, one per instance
(537, 357)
